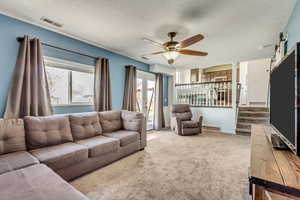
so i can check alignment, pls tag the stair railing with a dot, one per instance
(209, 94)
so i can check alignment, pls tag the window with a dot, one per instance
(69, 83)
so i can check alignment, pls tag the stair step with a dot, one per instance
(254, 114)
(255, 109)
(254, 119)
(242, 131)
(243, 125)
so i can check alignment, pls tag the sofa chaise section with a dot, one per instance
(16, 160)
(13, 153)
(37, 182)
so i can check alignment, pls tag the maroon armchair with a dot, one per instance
(181, 120)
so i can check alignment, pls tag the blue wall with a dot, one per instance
(12, 28)
(293, 27)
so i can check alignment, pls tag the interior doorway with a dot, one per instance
(145, 96)
(254, 80)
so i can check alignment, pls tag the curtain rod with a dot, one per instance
(19, 39)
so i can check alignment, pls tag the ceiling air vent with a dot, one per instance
(145, 58)
(53, 23)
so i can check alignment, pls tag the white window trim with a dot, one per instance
(65, 64)
(73, 66)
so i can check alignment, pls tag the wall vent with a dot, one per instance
(53, 23)
(257, 103)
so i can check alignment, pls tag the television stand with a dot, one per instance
(273, 174)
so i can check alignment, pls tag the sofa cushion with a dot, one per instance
(190, 131)
(133, 124)
(110, 121)
(190, 124)
(132, 121)
(85, 125)
(12, 136)
(100, 145)
(126, 137)
(16, 160)
(37, 182)
(131, 115)
(180, 108)
(183, 116)
(47, 131)
(61, 156)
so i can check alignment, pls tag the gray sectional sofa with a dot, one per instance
(41, 148)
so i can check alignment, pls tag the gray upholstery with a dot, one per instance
(60, 156)
(190, 124)
(93, 163)
(47, 131)
(100, 145)
(190, 131)
(181, 121)
(132, 121)
(37, 182)
(180, 108)
(110, 120)
(184, 115)
(12, 136)
(125, 137)
(85, 125)
(16, 160)
(50, 141)
(135, 121)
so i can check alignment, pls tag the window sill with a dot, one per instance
(72, 105)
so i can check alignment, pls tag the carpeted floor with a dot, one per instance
(210, 166)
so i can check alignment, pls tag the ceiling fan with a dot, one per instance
(172, 49)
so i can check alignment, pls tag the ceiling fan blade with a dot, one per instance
(153, 42)
(192, 52)
(152, 54)
(191, 40)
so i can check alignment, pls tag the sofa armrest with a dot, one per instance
(176, 125)
(135, 121)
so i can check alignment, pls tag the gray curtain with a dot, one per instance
(129, 99)
(102, 88)
(29, 92)
(159, 121)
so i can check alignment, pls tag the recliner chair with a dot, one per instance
(181, 120)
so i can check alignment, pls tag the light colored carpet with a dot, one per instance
(210, 166)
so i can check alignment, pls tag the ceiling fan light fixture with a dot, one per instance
(171, 55)
(171, 61)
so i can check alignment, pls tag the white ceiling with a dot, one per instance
(234, 29)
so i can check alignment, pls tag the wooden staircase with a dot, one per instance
(251, 115)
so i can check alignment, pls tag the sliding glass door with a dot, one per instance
(145, 96)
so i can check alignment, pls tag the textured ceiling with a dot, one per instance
(234, 29)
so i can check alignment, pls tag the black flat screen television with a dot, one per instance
(284, 90)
